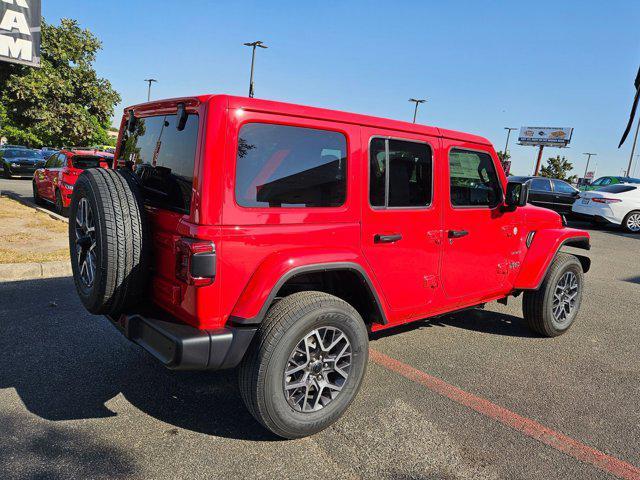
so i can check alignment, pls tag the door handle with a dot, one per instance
(458, 233)
(394, 237)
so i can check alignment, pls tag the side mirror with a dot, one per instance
(517, 194)
(182, 117)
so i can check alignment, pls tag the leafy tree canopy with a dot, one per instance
(64, 102)
(559, 168)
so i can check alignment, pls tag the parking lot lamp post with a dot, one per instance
(417, 101)
(149, 81)
(589, 155)
(253, 59)
(506, 145)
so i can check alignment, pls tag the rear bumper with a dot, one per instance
(593, 218)
(179, 346)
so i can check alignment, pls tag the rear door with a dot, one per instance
(401, 223)
(541, 193)
(563, 196)
(481, 238)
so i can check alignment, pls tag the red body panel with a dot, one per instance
(423, 274)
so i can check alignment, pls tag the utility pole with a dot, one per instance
(149, 81)
(633, 148)
(636, 165)
(255, 44)
(589, 155)
(417, 101)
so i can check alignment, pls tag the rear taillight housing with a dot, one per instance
(195, 261)
(605, 200)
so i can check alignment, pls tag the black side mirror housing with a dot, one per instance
(517, 195)
(182, 117)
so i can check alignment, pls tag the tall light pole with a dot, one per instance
(255, 44)
(506, 145)
(150, 81)
(636, 165)
(417, 101)
(589, 155)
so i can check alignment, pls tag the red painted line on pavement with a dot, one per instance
(529, 427)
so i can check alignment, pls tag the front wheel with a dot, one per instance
(7, 172)
(553, 308)
(60, 208)
(631, 222)
(305, 364)
(36, 194)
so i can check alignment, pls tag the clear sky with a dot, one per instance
(482, 65)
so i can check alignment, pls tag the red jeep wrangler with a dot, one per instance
(243, 232)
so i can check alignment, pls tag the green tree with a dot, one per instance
(64, 102)
(557, 167)
(502, 156)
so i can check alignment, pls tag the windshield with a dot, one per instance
(22, 153)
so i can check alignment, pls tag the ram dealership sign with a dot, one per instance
(20, 31)
(547, 136)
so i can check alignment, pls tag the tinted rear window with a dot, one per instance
(617, 188)
(283, 166)
(86, 162)
(163, 158)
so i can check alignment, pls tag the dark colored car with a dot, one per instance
(19, 162)
(550, 193)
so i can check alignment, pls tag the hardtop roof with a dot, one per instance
(291, 109)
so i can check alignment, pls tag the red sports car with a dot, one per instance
(54, 182)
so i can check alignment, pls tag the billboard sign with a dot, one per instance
(547, 136)
(590, 175)
(20, 31)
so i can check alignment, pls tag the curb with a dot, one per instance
(29, 203)
(10, 272)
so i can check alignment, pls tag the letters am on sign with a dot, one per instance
(20, 31)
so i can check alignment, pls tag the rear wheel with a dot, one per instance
(108, 241)
(36, 195)
(631, 222)
(305, 364)
(553, 308)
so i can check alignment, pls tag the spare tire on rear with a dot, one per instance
(108, 241)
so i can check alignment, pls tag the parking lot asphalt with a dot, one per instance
(78, 401)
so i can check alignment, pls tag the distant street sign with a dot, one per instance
(20, 31)
(547, 136)
(590, 175)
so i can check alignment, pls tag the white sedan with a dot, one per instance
(617, 204)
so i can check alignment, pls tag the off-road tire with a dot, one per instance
(121, 237)
(537, 304)
(625, 225)
(37, 199)
(262, 370)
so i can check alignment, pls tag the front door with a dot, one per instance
(563, 196)
(481, 239)
(401, 224)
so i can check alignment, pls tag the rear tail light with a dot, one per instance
(195, 261)
(605, 200)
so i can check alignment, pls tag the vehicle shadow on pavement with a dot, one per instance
(482, 321)
(66, 364)
(39, 451)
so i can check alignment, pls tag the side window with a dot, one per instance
(51, 161)
(540, 185)
(400, 173)
(61, 161)
(598, 182)
(285, 166)
(561, 187)
(605, 181)
(473, 179)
